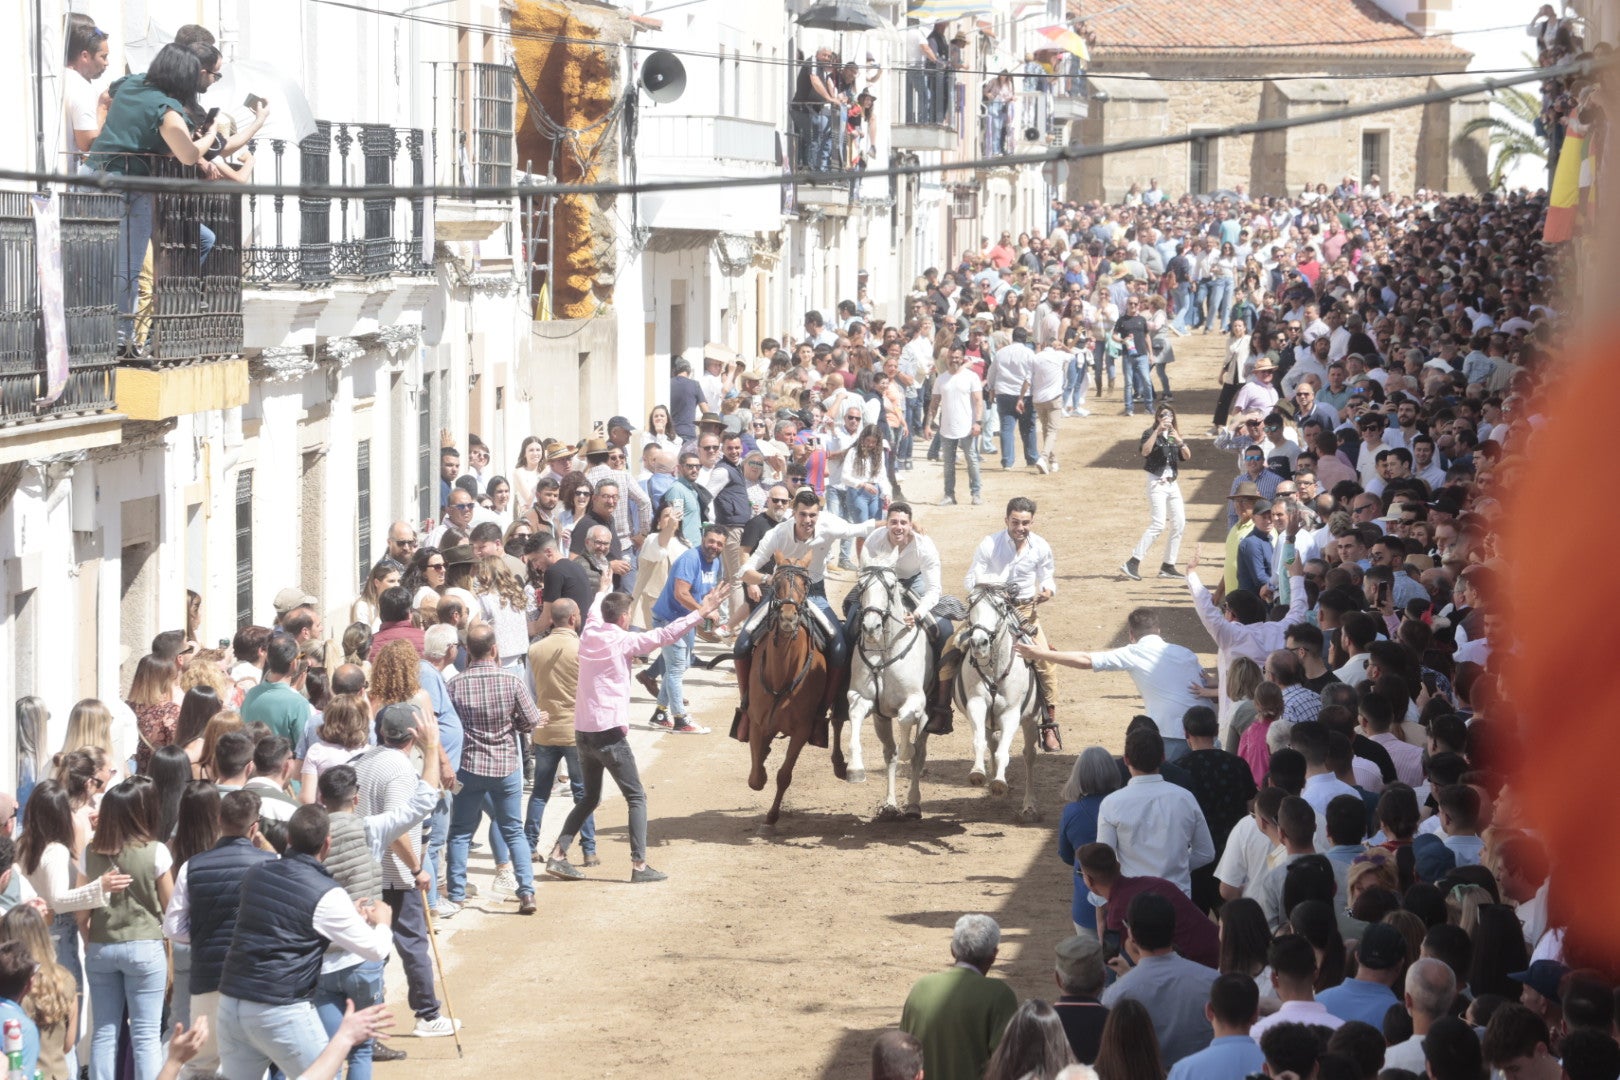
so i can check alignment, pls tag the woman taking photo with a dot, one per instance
(1163, 450)
(152, 698)
(124, 961)
(48, 851)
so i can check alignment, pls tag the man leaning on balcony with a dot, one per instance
(815, 110)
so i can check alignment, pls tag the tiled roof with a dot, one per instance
(1310, 28)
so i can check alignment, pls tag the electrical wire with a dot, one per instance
(1071, 152)
(790, 62)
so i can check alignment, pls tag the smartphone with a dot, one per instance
(224, 642)
(212, 115)
(1383, 593)
(253, 101)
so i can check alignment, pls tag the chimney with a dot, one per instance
(1427, 17)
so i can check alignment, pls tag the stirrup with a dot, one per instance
(1052, 726)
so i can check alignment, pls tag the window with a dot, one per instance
(1374, 155)
(244, 548)
(1200, 166)
(494, 122)
(362, 503)
(427, 503)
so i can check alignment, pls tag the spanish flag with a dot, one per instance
(1566, 190)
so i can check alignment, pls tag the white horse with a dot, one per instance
(997, 685)
(888, 674)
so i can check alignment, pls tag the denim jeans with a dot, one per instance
(1181, 304)
(438, 835)
(65, 932)
(468, 811)
(996, 140)
(991, 425)
(546, 760)
(1164, 354)
(1138, 382)
(1103, 362)
(1220, 302)
(134, 235)
(608, 752)
(1074, 381)
(677, 656)
(821, 138)
(205, 243)
(1201, 310)
(252, 1037)
(966, 445)
(861, 505)
(1024, 422)
(126, 975)
(919, 96)
(362, 984)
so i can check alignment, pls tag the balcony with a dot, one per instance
(80, 417)
(672, 147)
(821, 144)
(932, 119)
(344, 238)
(1068, 97)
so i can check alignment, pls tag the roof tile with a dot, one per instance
(1311, 28)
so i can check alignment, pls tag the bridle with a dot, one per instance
(890, 611)
(1001, 597)
(775, 622)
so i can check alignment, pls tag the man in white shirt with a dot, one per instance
(1156, 827)
(1431, 988)
(915, 561)
(1009, 382)
(1292, 961)
(1046, 391)
(84, 106)
(1164, 674)
(957, 413)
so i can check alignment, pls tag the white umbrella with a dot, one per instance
(290, 116)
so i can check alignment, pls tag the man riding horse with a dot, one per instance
(1022, 560)
(915, 561)
(810, 532)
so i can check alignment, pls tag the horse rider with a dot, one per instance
(814, 532)
(915, 561)
(1018, 557)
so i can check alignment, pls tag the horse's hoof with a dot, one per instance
(1029, 814)
(976, 778)
(757, 781)
(771, 818)
(998, 787)
(913, 813)
(855, 776)
(888, 812)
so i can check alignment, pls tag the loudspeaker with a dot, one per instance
(1032, 134)
(663, 76)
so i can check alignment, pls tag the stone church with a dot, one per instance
(1155, 66)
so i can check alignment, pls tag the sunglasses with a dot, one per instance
(435, 566)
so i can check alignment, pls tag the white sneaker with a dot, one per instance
(1041, 466)
(1053, 465)
(504, 887)
(441, 1027)
(1082, 412)
(447, 909)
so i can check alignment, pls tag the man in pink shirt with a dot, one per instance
(601, 720)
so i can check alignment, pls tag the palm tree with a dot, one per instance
(1513, 137)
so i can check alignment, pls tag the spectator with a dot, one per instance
(1128, 1047)
(1380, 956)
(959, 1014)
(1080, 974)
(896, 1055)
(266, 1007)
(1033, 1044)
(554, 667)
(1172, 988)
(1092, 778)
(1234, 1005)
(1156, 828)
(1430, 990)
(1195, 938)
(1293, 974)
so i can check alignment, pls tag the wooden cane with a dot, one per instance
(438, 962)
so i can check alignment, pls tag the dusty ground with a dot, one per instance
(783, 953)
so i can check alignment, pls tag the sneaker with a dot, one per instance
(978, 500)
(440, 1027)
(1169, 571)
(446, 909)
(646, 874)
(504, 887)
(591, 859)
(381, 1051)
(660, 719)
(563, 869)
(1132, 569)
(1052, 465)
(1042, 467)
(686, 727)
(949, 500)
(1082, 412)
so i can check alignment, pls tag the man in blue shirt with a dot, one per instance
(692, 577)
(1368, 996)
(1234, 1002)
(16, 975)
(1256, 553)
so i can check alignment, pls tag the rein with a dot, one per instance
(779, 694)
(999, 598)
(887, 658)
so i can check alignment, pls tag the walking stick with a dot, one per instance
(438, 962)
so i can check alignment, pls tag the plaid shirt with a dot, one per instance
(495, 706)
(630, 493)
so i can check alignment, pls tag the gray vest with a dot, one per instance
(350, 861)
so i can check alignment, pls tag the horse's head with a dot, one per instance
(989, 613)
(877, 593)
(790, 588)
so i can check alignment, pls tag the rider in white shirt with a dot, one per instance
(1016, 557)
(915, 561)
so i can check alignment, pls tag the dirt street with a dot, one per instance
(782, 953)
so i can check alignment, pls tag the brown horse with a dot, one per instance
(787, 681)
